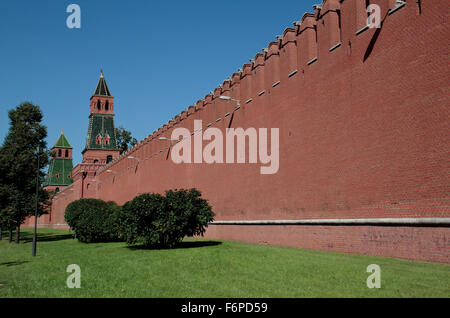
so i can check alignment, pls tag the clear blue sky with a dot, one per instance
(158, 57)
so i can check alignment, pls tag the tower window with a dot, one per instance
(106, 105)
(107, 140)
(59, 153)
(67, 153)
(108, 159)
(57, 175)
(98, 140)
(99, 105)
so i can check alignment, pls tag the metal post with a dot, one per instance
(36, 208)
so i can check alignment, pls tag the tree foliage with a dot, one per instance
(93, 220)
(156, 220)
(18, 166)
(124, 139)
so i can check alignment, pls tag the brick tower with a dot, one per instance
(60, 170)
(101, 146)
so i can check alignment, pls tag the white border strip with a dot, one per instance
(375, 221)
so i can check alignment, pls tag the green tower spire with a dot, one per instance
(101, 134)
(102, 89)
(62, 142)
(61, 165)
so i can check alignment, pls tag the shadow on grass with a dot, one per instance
(27, 237)
(13, 263)
(182, 245)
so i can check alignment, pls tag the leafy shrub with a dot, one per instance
(156, 220)
(139, 219)
(93, 220)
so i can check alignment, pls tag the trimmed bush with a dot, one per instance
(156, 220)
(139, 219)
(93, 220)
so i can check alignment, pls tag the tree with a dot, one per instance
(6, 218)
(18, 167)
(124, 139)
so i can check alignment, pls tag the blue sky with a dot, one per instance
(158, 57)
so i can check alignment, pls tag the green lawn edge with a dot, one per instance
(203, 268)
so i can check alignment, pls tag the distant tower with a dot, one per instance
(60, 170)
(101, 146)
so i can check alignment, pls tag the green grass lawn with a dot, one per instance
(204, 268)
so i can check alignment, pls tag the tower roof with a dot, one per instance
(102, 88)
(62, 142)
(60, 169)
(59, 172)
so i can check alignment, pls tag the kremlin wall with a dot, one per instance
(363, 118)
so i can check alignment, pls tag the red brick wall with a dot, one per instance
(363, 134)
(414, 243)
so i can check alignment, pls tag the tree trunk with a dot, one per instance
(17, 234)
(10, 235)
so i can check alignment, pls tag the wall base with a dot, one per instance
(430, 244)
